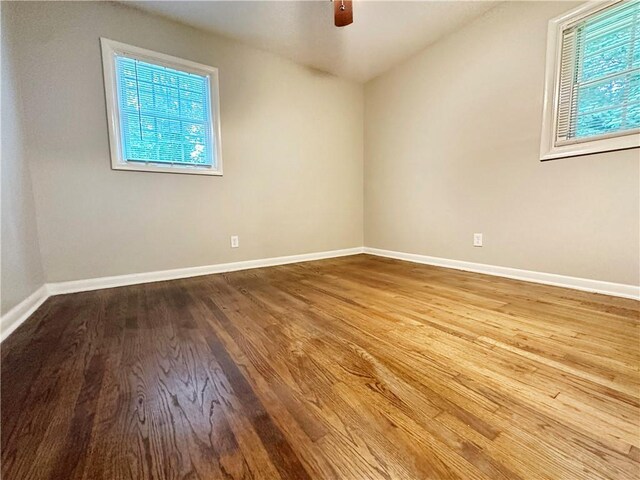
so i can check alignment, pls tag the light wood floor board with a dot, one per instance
(352, 368)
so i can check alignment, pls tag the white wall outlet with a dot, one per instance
(235, 241)
(477, 239)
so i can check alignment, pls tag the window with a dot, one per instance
(592, 93)
(163, 112)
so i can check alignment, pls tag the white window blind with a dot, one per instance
(164, 114)
(598, 95)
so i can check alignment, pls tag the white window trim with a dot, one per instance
(110, 49)
(548, 148)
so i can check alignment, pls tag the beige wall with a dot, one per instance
(291, 141)
(452, 140)
(451, 148)
(20, 263)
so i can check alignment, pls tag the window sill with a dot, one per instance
(179, 169)
(622, 142)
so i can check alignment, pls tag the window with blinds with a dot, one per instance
(163, 114)
(160, 109)
(597, 79)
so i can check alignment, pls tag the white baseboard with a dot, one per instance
(588, 285)
(18, 314)
(158, 276)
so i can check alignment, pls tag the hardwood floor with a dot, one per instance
(352, 368)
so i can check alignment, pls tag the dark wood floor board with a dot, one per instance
(195, 389)
(241, 380)
(27, 334)
(352, 368)
(235, 445)
(37, 433)
(32, 336)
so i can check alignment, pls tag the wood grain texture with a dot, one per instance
(343, 12)
(352, 368)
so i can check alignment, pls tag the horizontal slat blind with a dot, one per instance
(164, 114)
(599, 90)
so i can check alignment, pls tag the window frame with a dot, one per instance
(549, 149)
(111, 49)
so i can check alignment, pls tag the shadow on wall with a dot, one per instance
(243, 96)
(312, 21)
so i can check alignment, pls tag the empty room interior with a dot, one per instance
(300, 240)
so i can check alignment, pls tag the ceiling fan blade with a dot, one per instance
(343, 10)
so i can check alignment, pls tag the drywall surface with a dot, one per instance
(292, 148)
(20, 263)
(452, 142)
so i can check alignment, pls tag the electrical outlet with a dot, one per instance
(477, 239)
(235, 241)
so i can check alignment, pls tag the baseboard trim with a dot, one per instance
(158, 276)
(18, 314)
(585, 284)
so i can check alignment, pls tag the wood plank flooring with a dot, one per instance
(352, 368)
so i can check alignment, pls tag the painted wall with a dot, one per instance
(452, 140)
(292, 148)
(20, 254)
(452, 147)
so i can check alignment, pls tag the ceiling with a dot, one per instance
(383, 33)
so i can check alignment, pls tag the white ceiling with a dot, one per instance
(383, 32)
